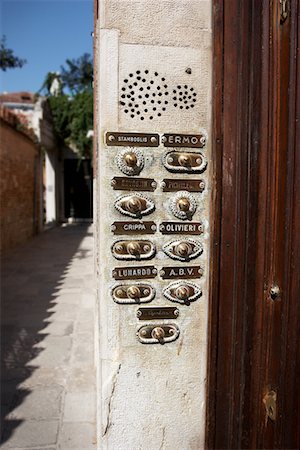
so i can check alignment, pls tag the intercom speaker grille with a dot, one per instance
(147, 95)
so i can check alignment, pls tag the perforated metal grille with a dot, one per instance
(146, 95)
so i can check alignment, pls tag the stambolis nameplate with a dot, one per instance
(113, 138)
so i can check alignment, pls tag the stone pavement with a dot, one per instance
(48, 393)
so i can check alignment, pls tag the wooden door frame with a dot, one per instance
(254, 340)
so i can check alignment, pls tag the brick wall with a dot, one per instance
(20, 186)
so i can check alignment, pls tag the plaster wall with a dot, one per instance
(151, 396)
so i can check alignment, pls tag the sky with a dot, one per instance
(45, 33)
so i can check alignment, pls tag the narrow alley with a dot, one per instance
(48, 375)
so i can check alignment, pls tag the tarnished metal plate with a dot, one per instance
(183, 249)
(134, 272)
(181, 228)
(113, 138)
(179, 162)
(174, 185)
(175, 272)
(183, 292)
(133, 293)
(133, 184)
(158, 333)
(131, 227)
(133, 250)
(135, 205)
(184, 140)
(157, 313)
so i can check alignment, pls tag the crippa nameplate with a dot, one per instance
(133, 184)
(157, 313)
(134, 273)
(174, 185)
(181, 228)
(113, 138)
(167, 273)
(131, 227)
(184, 140)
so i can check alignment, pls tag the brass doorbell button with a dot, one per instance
(183, 250)
(130, 161)
(158, 333)
(133, 250)
(183, 205)
(134, 205)
(184, 162)
(133, 294)
(182, 292)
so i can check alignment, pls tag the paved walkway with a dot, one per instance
(48, 375)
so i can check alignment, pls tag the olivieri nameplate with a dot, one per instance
(181, 228)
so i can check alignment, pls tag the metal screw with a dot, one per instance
(170, 160)
(203, 140)
(163, 139)
(163, 184)
(202, 185)
(154, 271)
(153, 227)
(111, 137)
(162, 273)
(113, 182)
(113, 227)
(176, 312)
(138, 314)
(153, 184)
(161, 227)
(199, 161)
(153, 139)
(146, 291)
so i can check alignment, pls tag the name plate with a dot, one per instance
(181, 228)
(184, 140)
(134, 273)
(157, 313)
(113, 138)
(131, 227)
(168, 273)
(133, 184)
(174, 185)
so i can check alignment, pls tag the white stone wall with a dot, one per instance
(151, 396)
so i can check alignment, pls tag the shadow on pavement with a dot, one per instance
(30, 279)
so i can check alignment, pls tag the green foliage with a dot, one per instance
(7, 58)
(81, 122)
(73, 114)
(73, 118)
(61, 112)
(78, 75)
